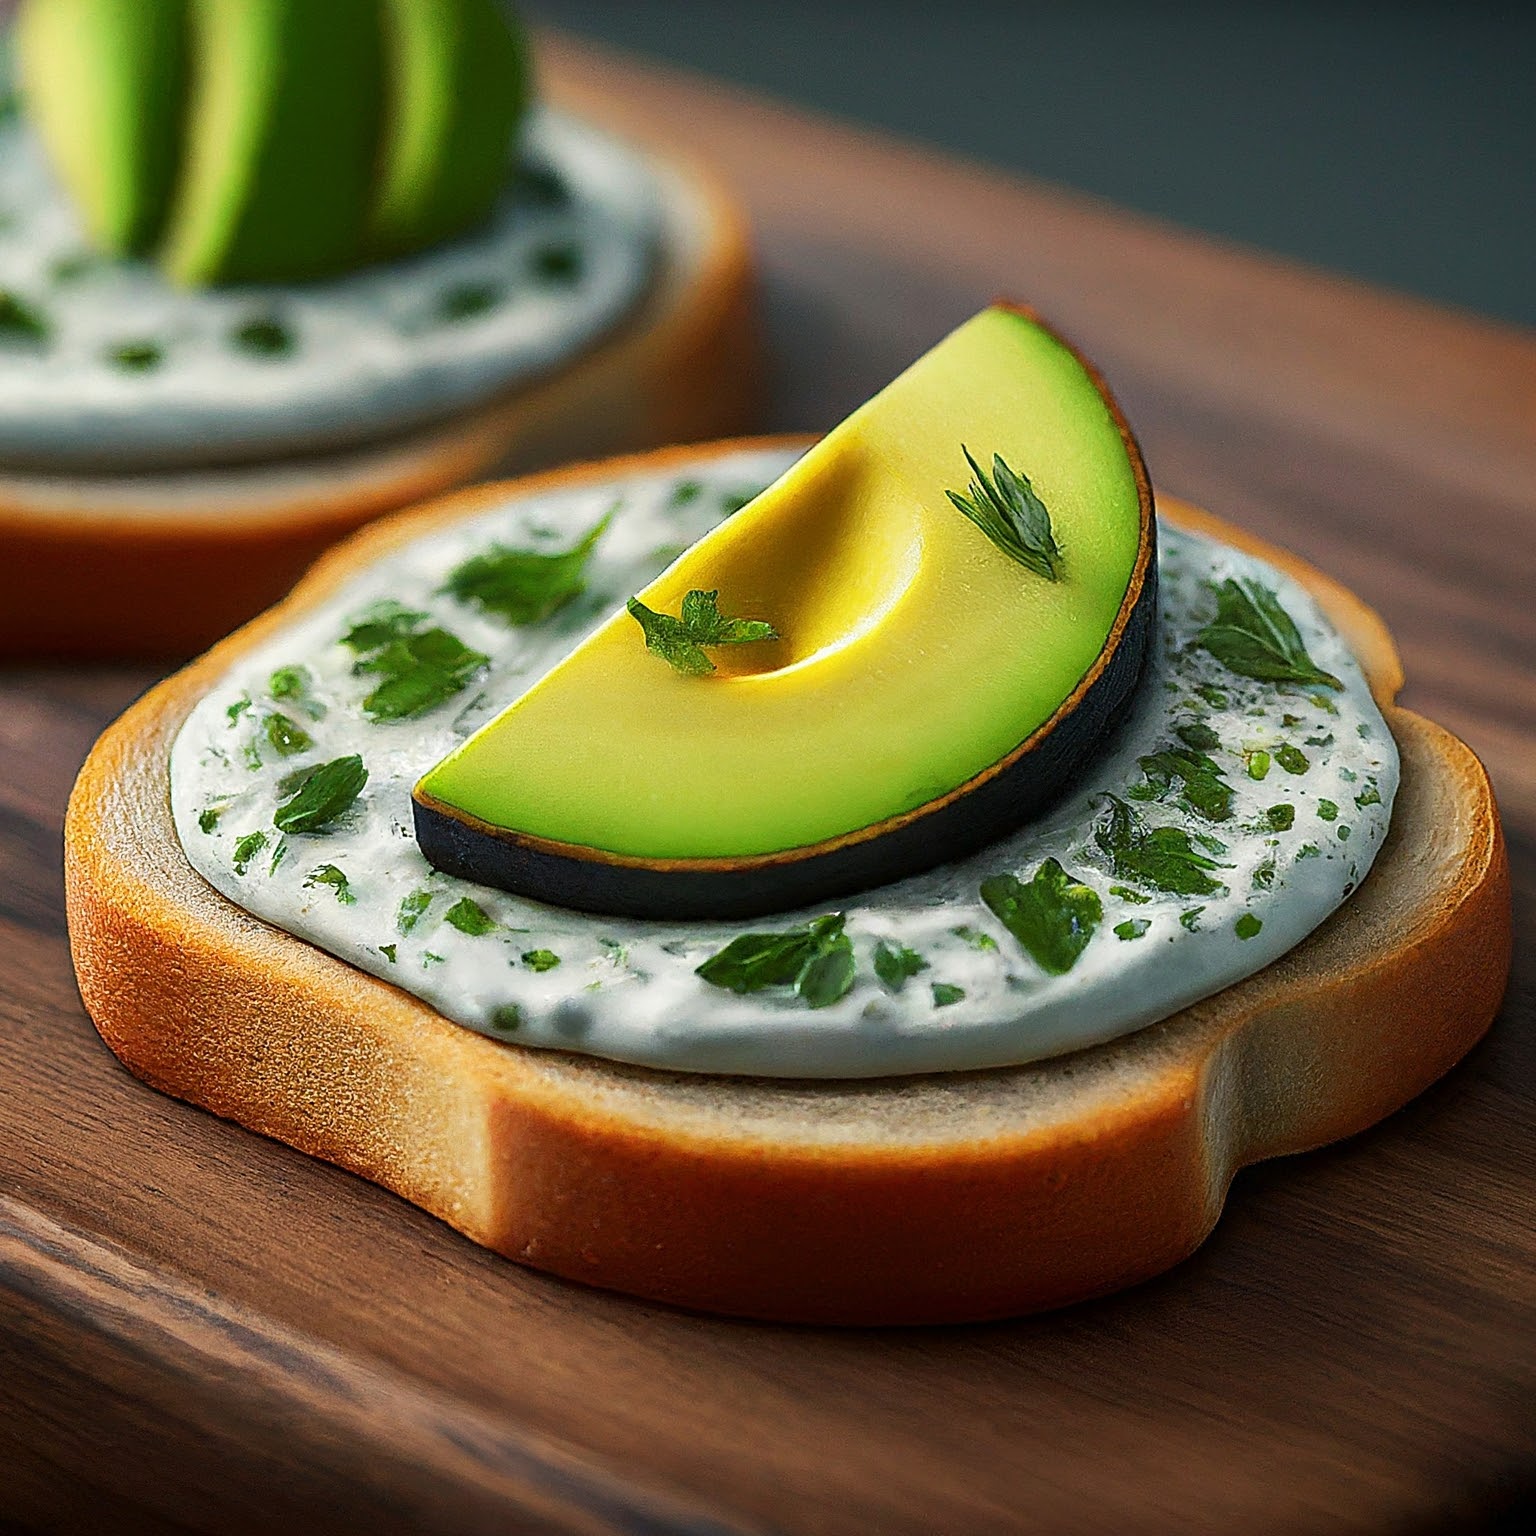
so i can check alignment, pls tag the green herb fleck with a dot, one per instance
(289, 683)
(278, 855)
(557, 263)
(329, 874)
(894, 963)
(20, 323)
(974, 937)
(238, 708)
(1132, 928)
(247, 849)
(816, 960)
(680, 641)
(1162, 857)
(1128, 893)
(1343, 832)
(428, 958)
(1254, 636)
(945, 993)
(540, 959)
(1308, 851)
(420, 667)
(1053, 917)
(321, 794)
(208, 817)
(524, 586)
(1292, 759)
(1007, 510)
(1370, 795)
(1327, 810)
(468, 916)
(1189, 919)
(1258, 765)
(506, 1017)
(286, 737)
(136, 356)
(1248, 926)
(1280, 818)
(1264, 875)
(684, 492)
(1201, 779)
(390, 952)
(411, 910)
(1197, 736)
(466, 301)
(263, 337)
(1212, 695)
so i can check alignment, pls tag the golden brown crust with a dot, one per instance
(162, 565)
(949, 1197)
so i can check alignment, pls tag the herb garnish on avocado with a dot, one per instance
(1053, 917)
(317, 796)
(1162, 857)
(1004, 506)
(420, 667)
(680, 641)
(816, 960)
(1254, 636)
(524, 586)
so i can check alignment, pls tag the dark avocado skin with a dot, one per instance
(969, 818)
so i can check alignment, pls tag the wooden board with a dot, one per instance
(203, 1330)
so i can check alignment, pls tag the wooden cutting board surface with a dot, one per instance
(203, 1330)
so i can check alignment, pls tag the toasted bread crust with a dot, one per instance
(162, 565)
(942, 1198)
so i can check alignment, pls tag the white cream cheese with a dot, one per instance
(627, 989)
(564, 258)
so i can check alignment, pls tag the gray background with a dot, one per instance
(1393, 141)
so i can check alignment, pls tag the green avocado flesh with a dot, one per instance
(914, 653)
(251, 141)
(104, 81)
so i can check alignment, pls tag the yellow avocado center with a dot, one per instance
(914, 652)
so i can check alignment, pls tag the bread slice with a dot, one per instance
(161, 565)
(938, 1198)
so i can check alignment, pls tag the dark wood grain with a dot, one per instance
(203, 1330)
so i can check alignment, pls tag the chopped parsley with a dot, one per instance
(1258, 765)
(278, 855)
(1162, 857)
(1053, 917)
(208, 817)
(411, 910)
(263, 336)
(1254, 636)
(136, 356)
(238, 708)
(247, 849)
(540, 959)
(1132, 928)
(329, 874)
(1292, 759)
(1327, 810)
(467, 301)
(1248, 926)
(525, 586)
(684, 492)
(946, 993)
(419, 667)
(1197, 736)
(286, 737)
(1199, 778)
(1370, 795)
(895, 963)
(21, 324)
(680, 642)
(974, 937)
(1280, 818)
(506, 1017)
(1004, 506)
(1308, 851)
(317, 796)
(1189, 919)
(468, 916)
(390, 952)
(816, 960)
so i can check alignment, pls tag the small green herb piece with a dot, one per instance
(816, 960)
(1343, 833)
(1053, 917)
(680, 642)
(1212, 695)
(466, 301)
(1264, 875)
(1254, 636)
(506, 1018)
(136, 356)
(557, 263)
(1248, 926)
(263, 337)
(540, 959)
(1348, 775)
(238, 708)
(1162, 857)
(329, 874)
(525, 586)
(428, 958)
(1308, 851)
(684, 492)
(1200, 778)
(411, 910)
(278, 855)
(1327, 810)
(208, 817)
(468, 916)
(1197, 736)
(1292, 759)
(247, 849)
(1280, 818)
(390, 952)
(974, 937)
(1132, 928)
(945, 993)
(321, 794)
(1258, 765)
(894, 963)
(289, 683)
(20, 323)
(1370, 795)
(286, 737)
(420, 667)
(1127, 893)
(1007, 510)
(1189, 919)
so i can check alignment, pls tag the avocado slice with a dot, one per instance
(459, 85)
(283, 132)
(104, 82)
(928, 692)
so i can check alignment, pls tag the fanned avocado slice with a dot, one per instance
(104, 82)
(944, 659)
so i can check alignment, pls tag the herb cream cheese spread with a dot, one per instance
(106, 363)
(1224, 820)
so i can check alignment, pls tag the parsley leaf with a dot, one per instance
(1254, 636)
(411, 911)
(1327, 810)
(524, 586)
(681, 641)
(286, 737)
(1162, 857)
(945, 993)
(318, 796)
(263, 336)
(1280, 818)
(1197, 735)
(540, 959)
(1203, 782)
(329, 874)
(816, 960)
(1248, 926)
(247, 849)
(894, 963)
(468, 916)
(420, 667)
(1053, 917)
(1131, 928)
(1292, 759)
(1007, 510)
